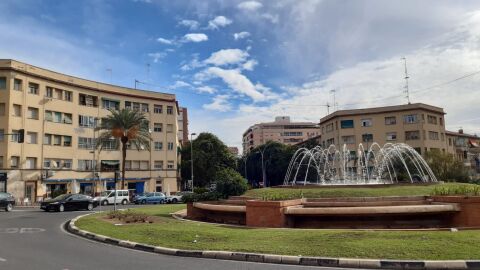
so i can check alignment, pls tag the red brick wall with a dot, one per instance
(269, 213)
(469, 215)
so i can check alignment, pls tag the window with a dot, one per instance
(169, 128)
(346, 124)
(158, 164)
(49, 92)
(411, 118)
(1, 162)
(128, 105)
(110, 104)
(144, 164)
(367, 137)
(14, 136)
(3, 83)
(391, 136)
(442, 136)
(440, 121)
(86, 143)
(169, 109)
(292, 133)
(330, 141)
(136, 106)
(17, 84)
(432, 135)
(67, 164)
(32, 113)
(157, 109)
(2, 109)
(67, 118)
(366, 122)
(88, 100)
(68, 96)
(144, 107)
(67, 141)
(110, 144)
(348, 139)
(2, 135)
(170, 164)
(330, 127)
(86, 121)
(158, 146)
(48, 116)
(47, 139)
(412, 135)
(33, 88)
(86, 165)
(57, 140)
(390, 120)
(31, 163)
(17, 110)
(32, 137)
(135, 164)
(170, 146)
(14, 161)
(450, 141)
(57, 117)
(157, 127)
(59, 94)
(432, 119)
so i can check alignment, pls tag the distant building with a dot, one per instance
(281, 130)
(466, 148)
(182, 125)
(234, 150)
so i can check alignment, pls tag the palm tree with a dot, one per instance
(128, 127)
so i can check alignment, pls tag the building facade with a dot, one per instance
(58, 113)
(465, 147)
(419, 125)
(183, 126)
(281, 130)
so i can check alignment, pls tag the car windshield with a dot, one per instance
(61, 197)
(148, 194)
(105, 193)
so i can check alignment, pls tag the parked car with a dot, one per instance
(7, 201)
(151, 197)
(108, 197)
(69, 202)
(177, 197)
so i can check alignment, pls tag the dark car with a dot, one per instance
(6, 201)
(69, 202)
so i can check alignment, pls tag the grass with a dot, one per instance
(431, 245)
(400, 190)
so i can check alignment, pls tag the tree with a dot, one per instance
(210, 155)
(229, 183)
(127, 127)
(446, 167)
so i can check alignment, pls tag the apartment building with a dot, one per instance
(419, 125)
(183, 126)
(465, 147)
(58, 113)
(281, 130)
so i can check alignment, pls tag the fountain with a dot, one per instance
(376, 165)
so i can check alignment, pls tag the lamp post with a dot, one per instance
(191, 154)
(264, 173)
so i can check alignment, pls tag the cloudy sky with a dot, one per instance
(235, 63)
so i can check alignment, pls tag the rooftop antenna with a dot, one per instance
(328, 108)
(406, 91)
(148, 71)
(109, 70)
(335, 105)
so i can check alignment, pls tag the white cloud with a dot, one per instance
(220, 103)
(206, 89)
(157, 56)
(195, 37)
(193, 64)
(236, 81)
(165, 41)
(219, 21)
(273, 18)
(191, 24)
(250, 5)
(250, 64)
(227, 57)
(241, 35)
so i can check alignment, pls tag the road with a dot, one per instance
(33, 239)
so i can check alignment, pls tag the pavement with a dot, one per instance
(34, 239)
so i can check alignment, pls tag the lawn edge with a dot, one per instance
(277, 259)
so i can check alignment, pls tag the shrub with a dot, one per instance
(206, 196)
(229, 182)
(457, 190)
(200, 190)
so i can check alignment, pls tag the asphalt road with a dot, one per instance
(33, 239)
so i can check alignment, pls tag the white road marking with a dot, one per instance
(2, 259)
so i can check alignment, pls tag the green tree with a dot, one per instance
(446, 167)
(229, 183)
(126, 127)
(210, 155)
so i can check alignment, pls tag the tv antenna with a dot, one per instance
(406, 91)
(335, 104)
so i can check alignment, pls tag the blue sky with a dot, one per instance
(235, 63)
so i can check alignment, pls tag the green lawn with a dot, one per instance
(293, 193)
(327, 243)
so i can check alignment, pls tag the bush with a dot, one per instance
(229, 183)
(206, 196)
(457, 191)
(200, 190)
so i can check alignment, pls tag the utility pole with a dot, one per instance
(406, 91)
(191, 154)
(335, 105)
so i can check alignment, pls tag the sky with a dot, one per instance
(236, 63)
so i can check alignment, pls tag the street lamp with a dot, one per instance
(264, 173)
(191, 154)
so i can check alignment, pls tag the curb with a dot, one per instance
(279, 259)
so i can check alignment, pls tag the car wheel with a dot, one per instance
(144, 202)
(124, 202)
(105, 202)
(174, 200)
(9, 207)
(90, 207)
(61, 208)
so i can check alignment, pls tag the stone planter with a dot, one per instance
(469, 214)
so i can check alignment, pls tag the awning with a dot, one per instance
(473, 143)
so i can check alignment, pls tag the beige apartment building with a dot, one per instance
(281, 130)
(183, 126)
(58, 113)
(419, 125)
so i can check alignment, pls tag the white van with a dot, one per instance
(108, 197)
